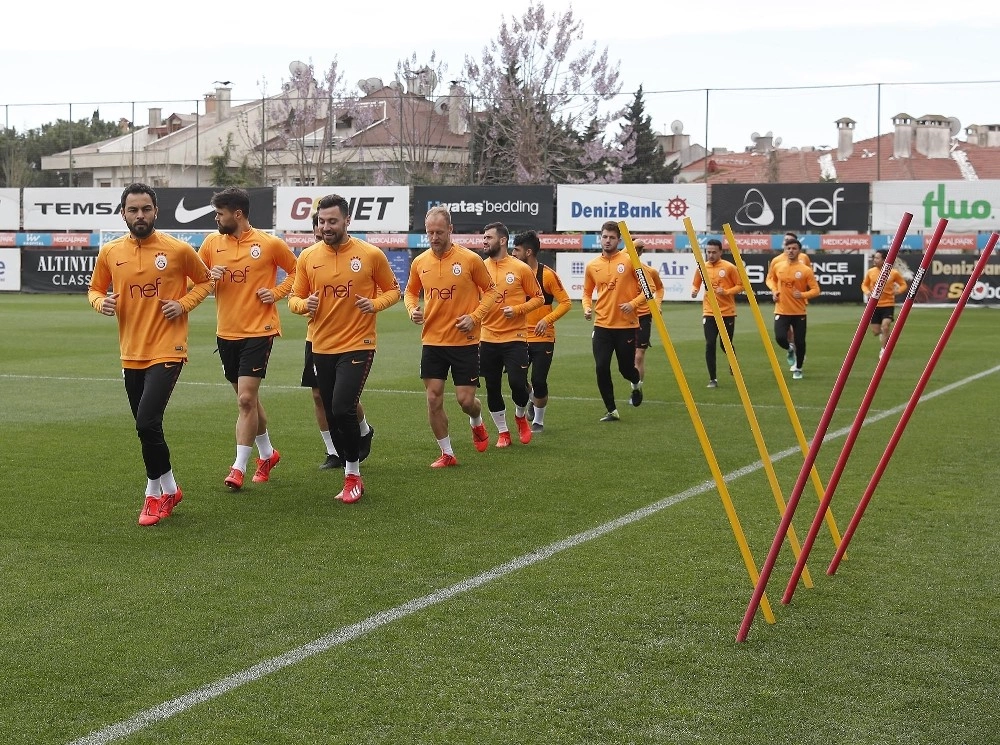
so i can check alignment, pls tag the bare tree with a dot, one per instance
(545, 95)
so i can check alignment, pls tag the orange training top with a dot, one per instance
(894, 285)
(552, 288)
(517, 287)
(251, 262)
(144, 272)
(339, 276)
(454, 285)
(615, 282)
(721, 275)
(787, 276)
(654, 281)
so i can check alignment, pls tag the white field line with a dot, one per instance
(174, 706)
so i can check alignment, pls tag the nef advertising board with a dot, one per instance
(191, 209)
(472, 207)
(72, 209)
(374, 209)
(794, 207)
(10, 209)
(645, 208)
(967, 205)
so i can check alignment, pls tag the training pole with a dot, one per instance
(779, 377)
(914, 400)
(741, 387)
(699, 427)
(821, 429)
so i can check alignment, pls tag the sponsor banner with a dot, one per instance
(8, 239)
(299, 240)
(388, 240)
(10, 269)
(57, 270)
(845, 242)
(967, 205)
(400, 263)
(556, 242)
(373, 208)
(472, 207)
(675, 270)
(947, 276)
(794, 207)
(954, 242)
(653, 208)
(191, 209)
(193, 238)
(10, 209)
(64, 208)
(838, 276)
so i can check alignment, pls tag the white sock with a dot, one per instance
(167, 483)
(152, 487)
(539, 414)
(637, 386)
(364, 426)
(243, 453)
(520, 411)
(352, 467)
(328, 441)
(477, 421)
(264, 445)
(500, 419)
(445, 444)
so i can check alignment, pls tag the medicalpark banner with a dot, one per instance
(10, 209)
(645, 208)
(472, 207)
(797, 207)
(374, 209)
(969, 206)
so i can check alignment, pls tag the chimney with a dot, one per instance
(983, 135)
(933, 136)
(223, 96)
(210, 103)
(845, 137)
(902, 141)
(155, 118)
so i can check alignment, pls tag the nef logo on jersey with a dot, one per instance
(456, 269)
(255, 251)
(337, 291)
(510, 278)
(355, 264)
(160, 261)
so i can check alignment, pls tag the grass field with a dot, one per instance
(552, 623)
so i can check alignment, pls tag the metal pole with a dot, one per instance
(70, 144)
(706, 135)
(878, 137)
(132, 125)
(197, 143)
(263, 140)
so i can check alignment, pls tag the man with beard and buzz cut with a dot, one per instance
(458, 292)
(148, 273)
(244, 263)
(341, 284)
(503, 341)
(610, 275)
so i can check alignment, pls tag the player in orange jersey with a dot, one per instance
(885, 312)
(724, 282)
(792, 285)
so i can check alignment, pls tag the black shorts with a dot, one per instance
(309, 369)
(883, 313)
(462, 361)
(244, 357)
(644, 332)
(540, 355)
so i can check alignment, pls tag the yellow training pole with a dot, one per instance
(779, 376)
(758, 436)
(699, 427)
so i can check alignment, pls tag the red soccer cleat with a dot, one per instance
(264, 466)
(150, 514)
(235, 479)
(446, 460)
(523, 429)
(353, 489)
(169, 501)
(480, 438)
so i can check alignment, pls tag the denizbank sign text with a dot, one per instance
(645, 208)
(967, 205)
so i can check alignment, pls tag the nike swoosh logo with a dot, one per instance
(317, 267)
(356, 362)
(219, 250)
(425, 271)
(170, 366)
(257, 369)
(119, 263)
(183, 214)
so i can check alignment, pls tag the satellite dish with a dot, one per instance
(441, 106)
(777, 141)
(769, 134)
(298, 69)
(754, 136)
(677, 126)
(954, 125)
(396, 85)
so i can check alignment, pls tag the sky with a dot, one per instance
(723, 69)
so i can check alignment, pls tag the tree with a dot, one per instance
(21, 154)
(222, 173)
(649, 166)
(545, 119)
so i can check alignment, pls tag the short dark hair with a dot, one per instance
(612, 227)
(714, 242)
(794, 241)
(529, 239)
(232, 198)
(333, 200)
(500, 228)
(791, 235)
(138, 188)
(315, 219)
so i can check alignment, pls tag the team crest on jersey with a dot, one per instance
(798, 275)
(160, 261)
(456, 269)
(510, 278)
(355, 264)
(255, 251)
(621, 268)
(722, 273)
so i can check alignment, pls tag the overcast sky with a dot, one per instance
(169, 55)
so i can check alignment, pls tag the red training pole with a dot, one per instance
(914, 400)
(810, 460)
(859, 419)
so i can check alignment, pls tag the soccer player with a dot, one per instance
(244, 263)
(341, 285)
(148, 273)
(783, 256)
(610, 275)
(645, 315)
(723, 280)
(792, 284)
(541, 323)
(458, 292)
(885, 311)
(503, 342)
(333, 459)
